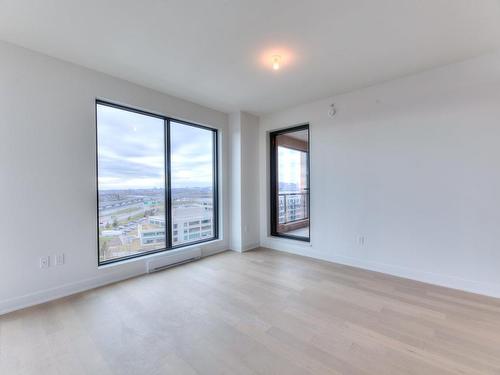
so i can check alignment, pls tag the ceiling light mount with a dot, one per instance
(276, 62)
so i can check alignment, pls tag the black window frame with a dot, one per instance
(273, 169)
(168, 192)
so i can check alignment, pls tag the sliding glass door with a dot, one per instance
(290, 194)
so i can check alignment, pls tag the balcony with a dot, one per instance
(293, 213)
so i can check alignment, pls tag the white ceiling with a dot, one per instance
(211, 51)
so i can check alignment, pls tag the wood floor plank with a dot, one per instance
(261, 312)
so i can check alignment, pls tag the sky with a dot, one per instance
(289, 167)
(131, 152)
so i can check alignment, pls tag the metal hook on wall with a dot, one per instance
(332, 111)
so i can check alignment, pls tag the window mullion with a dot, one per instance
(168, 183)
(215, 184)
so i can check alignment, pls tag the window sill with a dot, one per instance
(147, 257)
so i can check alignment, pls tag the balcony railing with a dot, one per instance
(293, 207)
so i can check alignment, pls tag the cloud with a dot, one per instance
(131, 152)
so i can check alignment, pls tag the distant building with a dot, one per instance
(189, 224)
(151, 203)
(157, 220)
(111, 233)
(150, 234)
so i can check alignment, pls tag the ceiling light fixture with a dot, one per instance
(276, 62)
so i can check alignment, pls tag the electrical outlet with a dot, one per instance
(59, 259)
(44, 262)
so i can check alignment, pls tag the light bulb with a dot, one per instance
(276, 62)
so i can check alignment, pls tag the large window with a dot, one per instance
(193, 171)
(156, 180)
(290, 193)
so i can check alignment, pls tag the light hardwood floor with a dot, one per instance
(261, 312)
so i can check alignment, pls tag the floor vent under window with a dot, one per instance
(172, 259)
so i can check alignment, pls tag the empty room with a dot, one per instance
(249, 187)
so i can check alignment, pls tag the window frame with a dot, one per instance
(273, 179)
(168, 179)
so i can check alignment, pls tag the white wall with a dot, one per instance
(234, 153)
(244, 181)
(47, 172)
(250, 227)
(412, 165)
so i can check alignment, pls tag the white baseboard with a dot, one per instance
(242, 249)
(47, 295)
(488, 289)
(453, 282)
(251, 246)
(68, 289)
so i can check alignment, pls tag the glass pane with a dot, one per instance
(192, 176)
(292, 179)
(131, 182)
